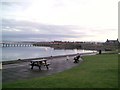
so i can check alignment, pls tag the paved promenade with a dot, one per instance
(18, 71)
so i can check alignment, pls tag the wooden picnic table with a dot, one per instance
(39, 63)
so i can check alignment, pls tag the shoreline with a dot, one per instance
(49, 57)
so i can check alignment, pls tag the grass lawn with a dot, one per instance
(99, 71)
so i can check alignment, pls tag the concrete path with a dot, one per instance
(19, 71)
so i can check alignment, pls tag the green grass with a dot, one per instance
(99, 71)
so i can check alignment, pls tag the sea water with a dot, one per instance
(15, 53)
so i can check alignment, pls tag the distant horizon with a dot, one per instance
(54, 40)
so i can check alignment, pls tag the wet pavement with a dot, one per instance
(13, 72)
(20, 71)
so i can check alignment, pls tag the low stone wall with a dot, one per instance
(29, 59)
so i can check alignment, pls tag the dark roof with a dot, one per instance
(112, 41)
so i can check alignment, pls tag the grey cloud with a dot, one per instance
(36, 37)
(10, 3)
(30, 26)
(49, 32)
(14, 6)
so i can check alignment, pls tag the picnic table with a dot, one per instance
(39, 63)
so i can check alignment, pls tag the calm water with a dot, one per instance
(14, 53)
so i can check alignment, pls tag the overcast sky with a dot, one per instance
(66, 20)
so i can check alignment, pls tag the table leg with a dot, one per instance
(46, 64)
(47, 67)
(39, 67)
(32, 65)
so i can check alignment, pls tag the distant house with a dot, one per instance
(112, 42)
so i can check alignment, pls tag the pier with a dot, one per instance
(20, 44)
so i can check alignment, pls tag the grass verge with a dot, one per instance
(99, 71)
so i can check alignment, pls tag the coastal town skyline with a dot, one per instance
(59, 20)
